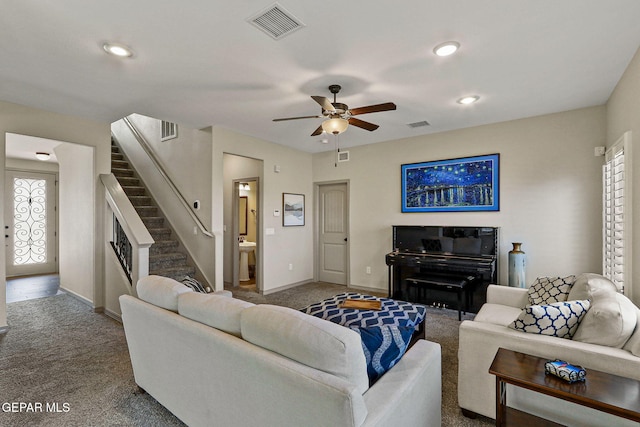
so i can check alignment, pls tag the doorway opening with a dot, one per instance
(247, 232)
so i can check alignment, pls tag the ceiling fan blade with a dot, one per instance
(317, 131)
(362, 124)
(297, 118)
(324, 103)
(387, 106)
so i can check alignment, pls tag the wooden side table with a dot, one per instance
(602, 391)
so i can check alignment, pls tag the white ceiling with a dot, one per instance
(200, 63)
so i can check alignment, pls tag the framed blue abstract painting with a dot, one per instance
(453, 185)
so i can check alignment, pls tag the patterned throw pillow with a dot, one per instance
(383, 346)
(547, 290)
(193, 284)
(560, 319)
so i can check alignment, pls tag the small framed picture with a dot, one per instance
(293, 208)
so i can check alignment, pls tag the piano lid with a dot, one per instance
(445, 240)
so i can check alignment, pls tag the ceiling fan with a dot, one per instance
(339, 116)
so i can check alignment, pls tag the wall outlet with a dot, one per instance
(290, 267)
(368, 270)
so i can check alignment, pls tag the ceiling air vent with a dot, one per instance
(276, 21)
(419, 124)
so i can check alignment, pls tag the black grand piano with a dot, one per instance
(443, 265)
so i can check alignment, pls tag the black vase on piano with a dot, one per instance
(443, 266)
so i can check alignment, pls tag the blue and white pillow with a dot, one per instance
(383, 347)
(193, 284)
(547, 290)
(560, 319)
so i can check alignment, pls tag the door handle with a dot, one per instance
(345, 239)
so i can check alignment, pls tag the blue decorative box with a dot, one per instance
(565, 371)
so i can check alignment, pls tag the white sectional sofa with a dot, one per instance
(481, 338)
(215, 360)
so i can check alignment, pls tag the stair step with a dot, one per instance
(152, 221)
(128, 181)
(163, 247)
(168, 260)
(176, 273)
(115, 149)
(146, 211)
(119, 164)
(134, 191)
(122, 172)
(160, 233)
(140, 200)
(116, 156)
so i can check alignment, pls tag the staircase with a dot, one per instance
(165, 256)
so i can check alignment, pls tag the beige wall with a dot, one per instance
(288, 245)
(76, 219)
(623, 114)
(550, 192)
(34, 122)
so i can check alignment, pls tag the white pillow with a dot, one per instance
(587, 283)
(218, 311)
(633, 345)
(610, 320)
(307, 339)
(560, 319)
(161, 291)
(547, 290)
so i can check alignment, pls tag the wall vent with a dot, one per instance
(419, 124)
(276, 21)
(343, 156)
(169, 131)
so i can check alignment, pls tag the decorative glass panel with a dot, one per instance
(30, 221)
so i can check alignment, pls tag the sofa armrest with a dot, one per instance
(479, 342)
(410, 393)
(505, 295)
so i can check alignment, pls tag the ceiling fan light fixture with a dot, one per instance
(42, 156)
(335, 126)
(468, 100)
(117, 49)
(446, 48)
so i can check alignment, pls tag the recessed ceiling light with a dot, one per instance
(117, 49)
(468, 100)
(42, 156)
(446, 48)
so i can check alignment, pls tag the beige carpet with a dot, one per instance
(58, 350)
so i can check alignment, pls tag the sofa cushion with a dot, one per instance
(587, 283)
(497, 314)
(383, 346)
(218, 311)
(610, 320)
(161, 291)
(312, 341)
(547, 290)
(559, 319)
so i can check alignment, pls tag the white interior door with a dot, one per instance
(333, 234)
(30, 223)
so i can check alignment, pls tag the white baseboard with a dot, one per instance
(289, 286)
(79, 297)
(113, 315)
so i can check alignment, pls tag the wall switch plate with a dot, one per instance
(368, 270)
(290, 267)
(270, 231)
(276, 212)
